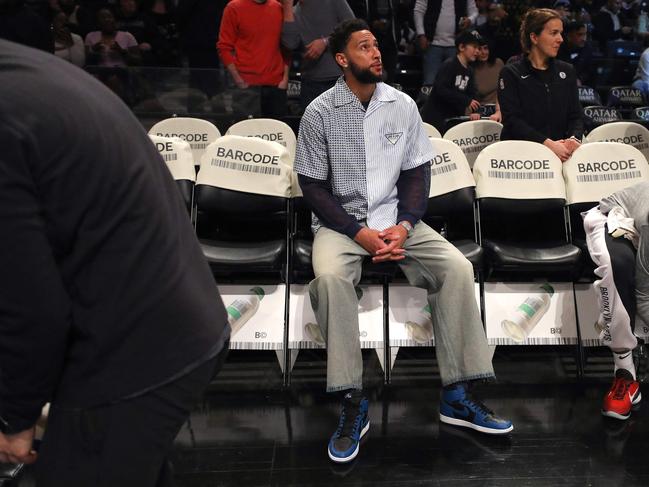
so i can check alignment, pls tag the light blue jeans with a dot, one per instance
(437, 266)
(433, 59)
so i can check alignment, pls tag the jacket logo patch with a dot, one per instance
(393, 137)
(562, 75)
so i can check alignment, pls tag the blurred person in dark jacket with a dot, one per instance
(108, 308)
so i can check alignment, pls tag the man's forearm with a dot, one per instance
(413, 188)
(327, 208)
(234, 72)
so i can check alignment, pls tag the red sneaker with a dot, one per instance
(623, 395)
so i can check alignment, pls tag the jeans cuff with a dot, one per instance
(468, 378)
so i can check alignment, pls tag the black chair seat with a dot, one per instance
(244, 253)
(507, 255)
(9, 473)
(302, 250)
(471, 250)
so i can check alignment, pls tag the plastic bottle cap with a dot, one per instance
(259, 292)
(547, 287)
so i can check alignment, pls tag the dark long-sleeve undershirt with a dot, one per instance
(412, 189)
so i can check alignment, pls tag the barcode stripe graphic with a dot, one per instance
(237, 166)
(477, 148)
(366, 344)
(444, 169)
(591, 342)
(198, 145)
(521, 175)
(534, 341)
(256, 345)
(411, 343)
(170, 157)
(615, 176)
(303, 345)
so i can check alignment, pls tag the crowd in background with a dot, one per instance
(115, 34)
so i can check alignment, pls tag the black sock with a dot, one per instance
(352, 396)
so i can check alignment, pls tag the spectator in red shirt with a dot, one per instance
(249, 47)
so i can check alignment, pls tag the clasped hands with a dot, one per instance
(385, 245)
(17, 448)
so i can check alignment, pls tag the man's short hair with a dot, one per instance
(574, 25)
(339, 38)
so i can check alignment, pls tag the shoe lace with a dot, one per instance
(620, 388)
(478, 405)
(346, 427)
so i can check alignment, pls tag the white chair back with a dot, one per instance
(431, 131)
(449, 170)
(266, 129)
(516, 169)
(177, 155)
(625, 132)
(197, 132)
(599, 169)
(473, 136)
(246, 164)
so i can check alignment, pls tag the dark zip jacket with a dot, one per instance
(536, 110)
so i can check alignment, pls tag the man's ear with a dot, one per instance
(341, 59)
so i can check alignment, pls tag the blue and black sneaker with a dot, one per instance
(352, 426)
(458, 407)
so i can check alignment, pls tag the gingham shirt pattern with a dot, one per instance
(362, 152)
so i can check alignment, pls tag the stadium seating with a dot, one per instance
(473, 136)
(520, 198)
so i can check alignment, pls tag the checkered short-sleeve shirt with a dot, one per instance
(362, 152)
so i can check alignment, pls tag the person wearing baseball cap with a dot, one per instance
(454, 92)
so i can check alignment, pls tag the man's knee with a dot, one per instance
(327, 282)
(459, 264)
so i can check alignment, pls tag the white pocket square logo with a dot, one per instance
(393, 137)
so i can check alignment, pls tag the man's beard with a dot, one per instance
(365, 76)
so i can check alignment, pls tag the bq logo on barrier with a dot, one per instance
(477, 142)
(520, 169)
(593, 172)
(602, 115)
(196, 141)
(441, 164)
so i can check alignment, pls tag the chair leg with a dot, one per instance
(387, 351)
(580, 348)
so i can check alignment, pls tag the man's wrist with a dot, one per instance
(407, 225)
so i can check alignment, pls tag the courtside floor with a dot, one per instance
(245, 434)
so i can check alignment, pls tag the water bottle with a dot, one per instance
(242, 309)
(421, 329)
(527, 315)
